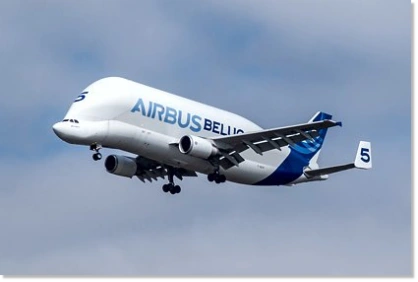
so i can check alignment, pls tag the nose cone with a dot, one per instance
(59, 129)
(81, 133)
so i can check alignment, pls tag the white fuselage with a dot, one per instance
(122, 114)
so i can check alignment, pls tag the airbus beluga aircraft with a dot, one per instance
(176, 137)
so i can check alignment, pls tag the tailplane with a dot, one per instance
(363, 160)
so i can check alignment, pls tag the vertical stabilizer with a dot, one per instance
(310, 149)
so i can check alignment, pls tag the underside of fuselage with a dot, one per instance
(162, 148)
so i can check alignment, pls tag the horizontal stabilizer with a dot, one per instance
(363, 161)
(328, 170)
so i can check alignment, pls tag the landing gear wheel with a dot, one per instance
(97, 156)
(166, 188)
(211, 177)
(218, 178)
(96, 147)
(170, 186)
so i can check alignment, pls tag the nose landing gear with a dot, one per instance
(96, 147)
(97, 156)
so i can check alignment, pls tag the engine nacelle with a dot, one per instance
(120, 165)
(197, 147)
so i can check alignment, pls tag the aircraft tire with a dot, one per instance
(211, 177)
(97, 156)
(166, 188)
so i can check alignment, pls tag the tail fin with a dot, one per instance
(310, 149)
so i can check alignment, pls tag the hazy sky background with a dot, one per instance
(274, 62)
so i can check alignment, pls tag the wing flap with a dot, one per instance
(286, 131)
(277, 143)
(149, 170)
(229, 160)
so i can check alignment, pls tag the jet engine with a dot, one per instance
(197, 147)
(121, 165)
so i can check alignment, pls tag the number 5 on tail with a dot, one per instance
(364, 155)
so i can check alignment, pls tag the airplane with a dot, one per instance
(172, 136)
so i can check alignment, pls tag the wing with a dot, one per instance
(266, 140)
(151, 170)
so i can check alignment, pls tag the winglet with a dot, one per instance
(364, 155)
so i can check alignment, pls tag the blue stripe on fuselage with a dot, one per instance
(288, 171)
(300, 155)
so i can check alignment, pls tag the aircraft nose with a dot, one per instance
(58, 129)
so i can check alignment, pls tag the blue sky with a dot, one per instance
(274, 62)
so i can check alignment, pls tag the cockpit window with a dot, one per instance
(70, 120)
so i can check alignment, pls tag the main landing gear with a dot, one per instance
(217, 177)
(171, 187)
(96, 147)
